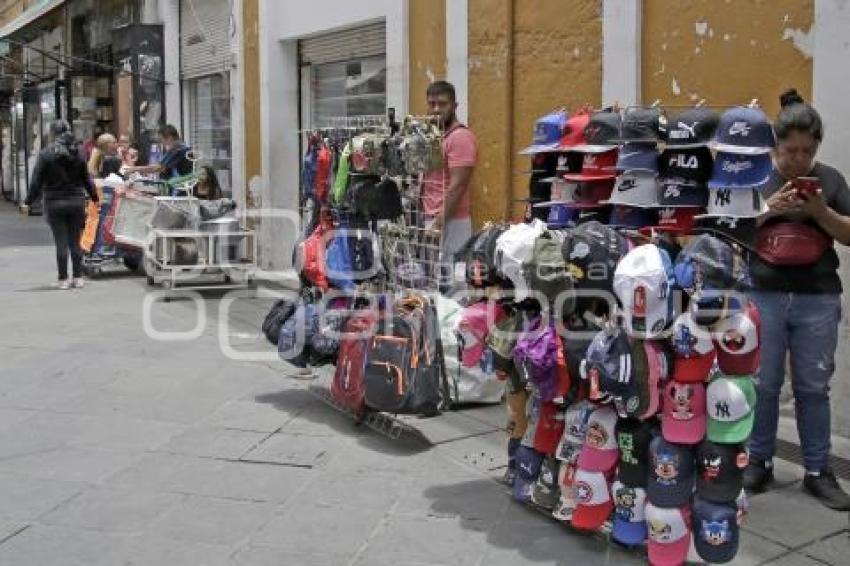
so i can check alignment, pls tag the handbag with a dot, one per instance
(791, 243)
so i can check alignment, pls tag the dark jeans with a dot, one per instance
(67, 218)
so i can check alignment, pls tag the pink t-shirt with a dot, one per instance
(459, 150)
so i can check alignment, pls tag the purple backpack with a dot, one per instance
(536, 355)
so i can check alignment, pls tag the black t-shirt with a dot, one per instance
(821, 276)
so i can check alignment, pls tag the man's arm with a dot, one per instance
(458, 184)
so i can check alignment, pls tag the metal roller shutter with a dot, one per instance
(364, 41)
(204, 37)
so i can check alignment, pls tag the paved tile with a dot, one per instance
(833, 550)
(113, 510)
(248, 415)
(57, 546)
(265, 556)
(213, 521)
(27, 498)
(753, 550)
(149, 550)
(214, 442)
(362, 489)
(299, 450)
(481, 452)
(105, 431)
(71, 464)
(451, 425)
(769, 515)
(319, 529)
(478, 502)
(797, 559)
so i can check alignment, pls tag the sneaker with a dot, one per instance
(63, 284)
(757, 476)
(824, 487)
(78, 283)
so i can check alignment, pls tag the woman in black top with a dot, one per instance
(61, 176)
(207, 186)
(800, 305)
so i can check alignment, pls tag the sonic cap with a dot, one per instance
(671, 473)
(716, 531)
(720, 471)
(731, 403)
(629, 517)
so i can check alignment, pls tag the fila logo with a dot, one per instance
(739, 129)
(723, 197)
(684, 161)
(736, 167)
(721, 410)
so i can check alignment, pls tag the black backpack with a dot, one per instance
(479, 253)
(281, 310)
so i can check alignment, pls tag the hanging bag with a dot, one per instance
(791, 243)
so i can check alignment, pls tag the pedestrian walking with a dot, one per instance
(60, 175)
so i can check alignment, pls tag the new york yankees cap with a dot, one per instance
(730, 402)
(643, 284)
(735, 203)
(734, 171)
(720, 471)
(691, 164)
(716, 530)
(745, 131)
(671, 473)
(629, 514)
(694, 127)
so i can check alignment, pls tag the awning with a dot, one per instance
(30, 15)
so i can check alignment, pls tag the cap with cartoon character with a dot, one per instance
(716, 532)
(671, 473)
(629, 518)
(669, 534)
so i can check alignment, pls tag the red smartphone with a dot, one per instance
(807, 185)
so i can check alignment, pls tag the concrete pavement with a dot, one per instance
(119, 449)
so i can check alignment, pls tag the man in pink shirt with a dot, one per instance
(445, 193)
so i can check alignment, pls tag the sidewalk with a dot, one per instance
(119, 449)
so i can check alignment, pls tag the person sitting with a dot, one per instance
(207, 186)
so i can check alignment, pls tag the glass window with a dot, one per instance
(350, 88)
(209, 124)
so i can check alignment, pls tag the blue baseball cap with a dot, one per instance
(679, 192)
(629, 517)
(733, 170)
(637, 157)
(548, 131)
(623, 216)
(672, 473)
(744, 130)
(560, 216)
(716, 532)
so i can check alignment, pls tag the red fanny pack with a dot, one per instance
(791, 243)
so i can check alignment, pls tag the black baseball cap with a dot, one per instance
(692, 128)
(716, 531)
(640, 125)
(720, 471)
(592, 251)
(601, 132)
(733, 229)
(671, 473)
(683, 193)
(691, 164)
(633, 438)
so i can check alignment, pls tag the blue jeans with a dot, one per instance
(807, 326)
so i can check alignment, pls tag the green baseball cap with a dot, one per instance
(730, 403)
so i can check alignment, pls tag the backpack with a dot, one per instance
(514, 248)
(479, 253)
(546, 271)
(376, 199)
(536, 356)
(421, 147)
(341, 179)
(297, 333)
(324, 157)
(348, 386)
(472, 328)
(310, 254)
(402, 367)
(367, 154)
(281, 310)
(308, 171)
(325, 342)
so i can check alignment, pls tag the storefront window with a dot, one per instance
(349, 88)
(209, 123)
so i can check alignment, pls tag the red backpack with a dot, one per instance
(348, 387)
(311, 254)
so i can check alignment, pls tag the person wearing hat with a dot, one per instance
(799, 302)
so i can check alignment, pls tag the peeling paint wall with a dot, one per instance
(726, 51)
(525, 59)
(427, 30)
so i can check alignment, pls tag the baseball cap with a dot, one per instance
(677, 192)
(567, 501)
(675, 220)
(636, 188)
(737, 339)
(629, 518)
(716, 530)
(692, 164)
(720, 471)
(593, 498)
(560, 216)
(528, 463)
(601, 132)
(693, 127)
(737, 203)
(472, 328)
(574, 131)
(547, 133)
(693, 349)
(740, 171)
(576, 418)
(642, 283)
(633, 438)
(637, 157)
(671, 473)
(584, 194)
(669, 534)
(641, 125)
(596, 167)
(599, 452)
(683, 418)
(608, 364)
(705, 262)
(549, 429)
(592, 251)
(732, 228)
(547, 491)
(730, 402)
(744, 131)
(632, 217)
(650, 367)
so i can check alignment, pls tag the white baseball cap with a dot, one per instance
(669, 535)
(643, 283)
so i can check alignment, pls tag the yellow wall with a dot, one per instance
(427, 25)
(727, 52)
(525, 60)
(251, 90)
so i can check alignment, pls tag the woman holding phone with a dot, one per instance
(798, 293)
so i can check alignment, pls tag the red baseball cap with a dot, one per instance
(693, 349)
(593, 497)
(683, 416)
(596, 167)
(550, 428)
(574, 131)
(676, 220)
(737, 340)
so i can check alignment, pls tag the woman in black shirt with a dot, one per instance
(800, 305)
